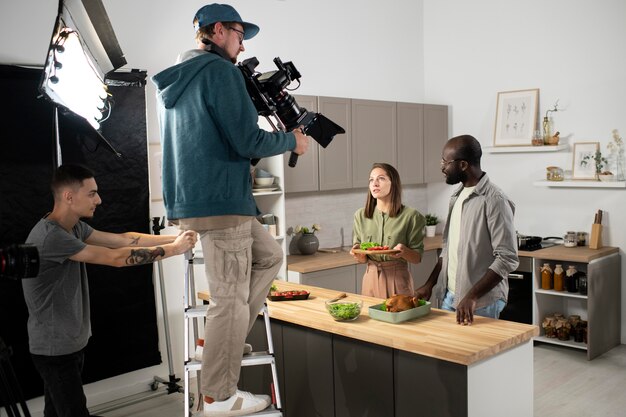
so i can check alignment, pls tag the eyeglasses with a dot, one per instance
(241, 34)
(445, 163)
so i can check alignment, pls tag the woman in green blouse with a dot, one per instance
(386, 221)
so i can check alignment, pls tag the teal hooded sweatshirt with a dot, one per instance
(209, 133)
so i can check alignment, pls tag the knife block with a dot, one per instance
(595, 241)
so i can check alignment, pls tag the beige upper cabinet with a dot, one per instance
(373, 137)
(304, 176)
(410, 143)
(435, 137)
(335, 161)
(409, 136)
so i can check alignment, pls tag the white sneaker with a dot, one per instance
(247, 348)
(238, 405)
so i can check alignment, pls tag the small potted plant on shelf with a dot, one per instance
(305, 240)
(431, 224)
(600, 162)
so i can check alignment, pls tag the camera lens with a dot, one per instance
(288, 110)
(19, 261)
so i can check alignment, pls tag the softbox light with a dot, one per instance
(83, 49)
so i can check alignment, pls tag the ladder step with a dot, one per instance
(270, 411)
(196, 312)
(253, 359)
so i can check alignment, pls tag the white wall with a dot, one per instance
(572, 50)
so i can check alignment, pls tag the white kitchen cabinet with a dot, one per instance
(600, 307)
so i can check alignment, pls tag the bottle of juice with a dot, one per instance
(546, 277)
(559, 274)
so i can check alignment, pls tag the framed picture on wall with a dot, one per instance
(516, 117)
(584, 164)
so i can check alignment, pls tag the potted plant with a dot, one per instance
(600, 162)
(306, 241)
(431, 224)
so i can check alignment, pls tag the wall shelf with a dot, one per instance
(581, 184)
(520, 149)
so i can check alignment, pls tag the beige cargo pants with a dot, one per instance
(240, 263)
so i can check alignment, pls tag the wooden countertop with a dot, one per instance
(320, 261)
(436, 335)
(576, 254)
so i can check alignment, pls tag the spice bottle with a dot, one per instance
(546, 277)
(559, 274)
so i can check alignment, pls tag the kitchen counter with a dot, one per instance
(436, 335)
(576, 254)
(321, 260)
(430, 364)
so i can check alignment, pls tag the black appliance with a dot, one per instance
(519, 307)
(532, 243)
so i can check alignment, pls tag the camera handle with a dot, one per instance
(293, 159)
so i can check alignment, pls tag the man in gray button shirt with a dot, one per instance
(58, 298)
(479, 239)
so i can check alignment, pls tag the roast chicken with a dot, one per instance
(399, 303)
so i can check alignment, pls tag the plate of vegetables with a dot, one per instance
(373, 248)
(276, 295)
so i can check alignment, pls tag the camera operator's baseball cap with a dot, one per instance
(213, 13)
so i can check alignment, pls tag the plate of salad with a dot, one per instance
(374, 248)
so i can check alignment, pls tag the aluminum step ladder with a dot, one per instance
(193, 315)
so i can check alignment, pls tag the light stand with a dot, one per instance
(172, 382)
(10, 393)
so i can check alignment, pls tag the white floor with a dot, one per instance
(566, 385)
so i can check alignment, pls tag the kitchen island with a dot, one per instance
(429, 366)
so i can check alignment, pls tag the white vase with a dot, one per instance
(430, 231)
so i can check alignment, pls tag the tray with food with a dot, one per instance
(276, 295)
(399, 308)
(373, 248)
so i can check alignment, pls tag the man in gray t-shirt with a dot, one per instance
(58, 298)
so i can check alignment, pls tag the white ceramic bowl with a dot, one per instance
(264, 180)
(606, 177)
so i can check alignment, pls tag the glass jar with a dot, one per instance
(559, 275)
(537, 139)
(581, 238)
(554, 173)
(571, 279)
(546, 277)
(563, 328)
(570, 240)
(548, 326)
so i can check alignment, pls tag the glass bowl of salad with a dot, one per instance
(344, 309)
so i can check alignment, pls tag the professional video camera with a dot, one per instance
(267, 91)
(19, 261)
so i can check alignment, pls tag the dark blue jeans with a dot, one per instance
(62, 384)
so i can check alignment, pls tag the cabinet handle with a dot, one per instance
(516, 276)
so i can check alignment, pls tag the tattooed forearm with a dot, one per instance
(134, 241)
(144, 256)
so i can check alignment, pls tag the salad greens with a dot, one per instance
(367, 245)
(344, 311)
